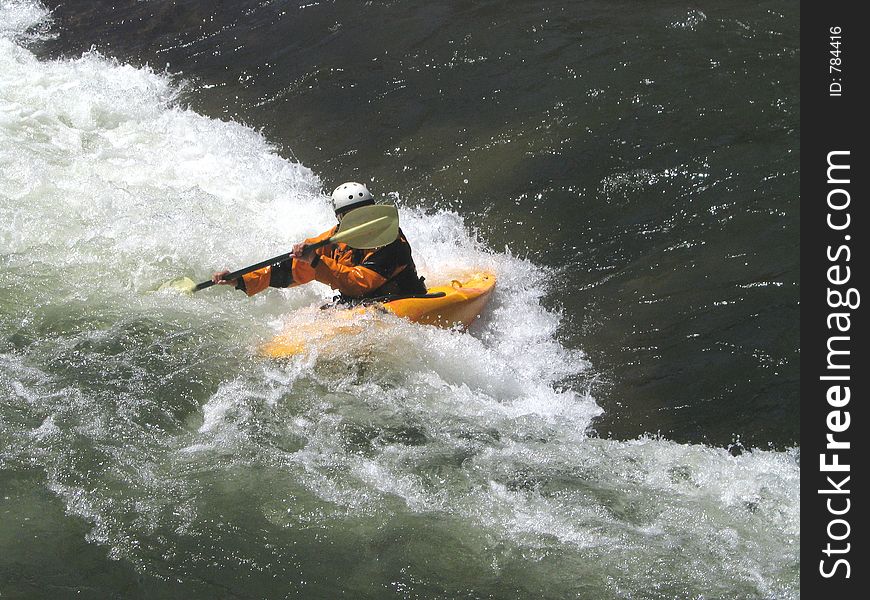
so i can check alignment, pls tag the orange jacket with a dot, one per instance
(354, 273)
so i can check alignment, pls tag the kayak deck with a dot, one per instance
(459, 306)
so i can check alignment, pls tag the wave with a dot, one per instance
(138, 406)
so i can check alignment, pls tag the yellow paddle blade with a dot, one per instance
(368, 227)
(183, 284)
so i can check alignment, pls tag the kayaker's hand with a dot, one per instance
(218, 278)
(301, 253)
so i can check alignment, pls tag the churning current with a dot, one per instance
(616, 425)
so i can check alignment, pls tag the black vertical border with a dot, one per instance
(832, 123)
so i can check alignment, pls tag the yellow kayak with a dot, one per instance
(455, 305)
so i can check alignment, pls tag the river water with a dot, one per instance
(622, 421)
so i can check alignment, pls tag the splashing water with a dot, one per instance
(405, 458)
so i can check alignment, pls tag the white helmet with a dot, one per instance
(350, 195)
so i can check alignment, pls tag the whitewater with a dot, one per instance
(408, 460)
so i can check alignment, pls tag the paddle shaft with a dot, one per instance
(263, 263)
(365, 227)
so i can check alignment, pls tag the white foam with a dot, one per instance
(109, 187)
(17, 16)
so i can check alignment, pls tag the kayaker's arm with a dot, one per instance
(306, 266)
(378, 268)
(288, 273)
(354, 281)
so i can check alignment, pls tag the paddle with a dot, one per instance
(367, 227)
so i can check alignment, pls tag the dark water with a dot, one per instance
(647, 152)
(621, 423)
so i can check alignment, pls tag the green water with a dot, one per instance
(146, 451)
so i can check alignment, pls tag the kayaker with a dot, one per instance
(356, 274)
